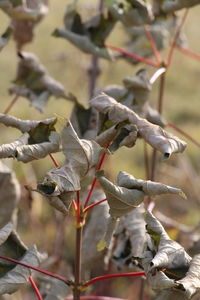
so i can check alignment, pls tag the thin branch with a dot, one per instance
(135, 56)
(54, 160)
(93, 205)
(189, 53)
(185, 134)
(78, 210)
(65, 280)
(177, 33)
(91, 297)
(146, 161)
(77, 266)
(95, 279)
(153, 44)
(35, 288)
(94, 180)
(10, 105)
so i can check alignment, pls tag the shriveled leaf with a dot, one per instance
(18, 10)
(18, 275)
(120, 200)
(191, 282)
(9, 194)
(24, 29)
(131, 13)
(152, 134)
(169, 6)
(127, 137)
(169, 254)
(171, 294)
(81, 154)
(9, 150)
(130, 238)
(56, 290)
(89, 36)
(160, 281)
(34, 83)
(28, 125)
(111, 226)
(149, 187)
(5, 37)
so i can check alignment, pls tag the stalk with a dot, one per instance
(37, 292)
(11, 104)
(160, 109)
(77, 269)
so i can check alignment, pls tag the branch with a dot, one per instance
(35, 288)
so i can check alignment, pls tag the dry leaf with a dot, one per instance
(34, 83)
(169, 254)
(152, 134)
(149, 187)
(9, 194)
(169, 6)
(89, 36)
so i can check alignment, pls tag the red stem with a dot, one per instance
(94, 180)
(10, 105)
(54, 160)
(93, 280)
(65, 280)
(171, 51)
(153, 44)
(78, 211)
(35, 288)
(93, 205)
(185, 134)
(91, 297)
(189, 53)
(135, 56)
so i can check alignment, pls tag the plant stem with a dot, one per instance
(160, 108)
(78, 211)
(146, 161)
(95, 279)
(10, 105)
(77, 269)
(135, 56)
(190, 53)
(93, 205)
(171, 51)
(54, 160)
(157, 74)
(94, 180)
(65, 280)
(185, 134)
(35, 288)
(153, 44)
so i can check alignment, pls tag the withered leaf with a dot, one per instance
(13, 276)
(34, 83)
(131, 13)
(169, 254)
(170, 6)
(89, 36)
(160, 281)
(19, 10)
(191, 282)
(81, 154)
(149, 187)
(5, 37)
(130, 238)
(152, 134)
(9, 194)
(120, 200)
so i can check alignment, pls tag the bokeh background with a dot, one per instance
(38, 223)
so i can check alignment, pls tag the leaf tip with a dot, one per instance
(101, 245)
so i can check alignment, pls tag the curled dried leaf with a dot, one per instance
(34, 83)
(89, 36)
(147, 186)
(9, 194)
(152, 134)
(169, 254)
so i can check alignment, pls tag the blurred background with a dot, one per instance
(69, 65)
